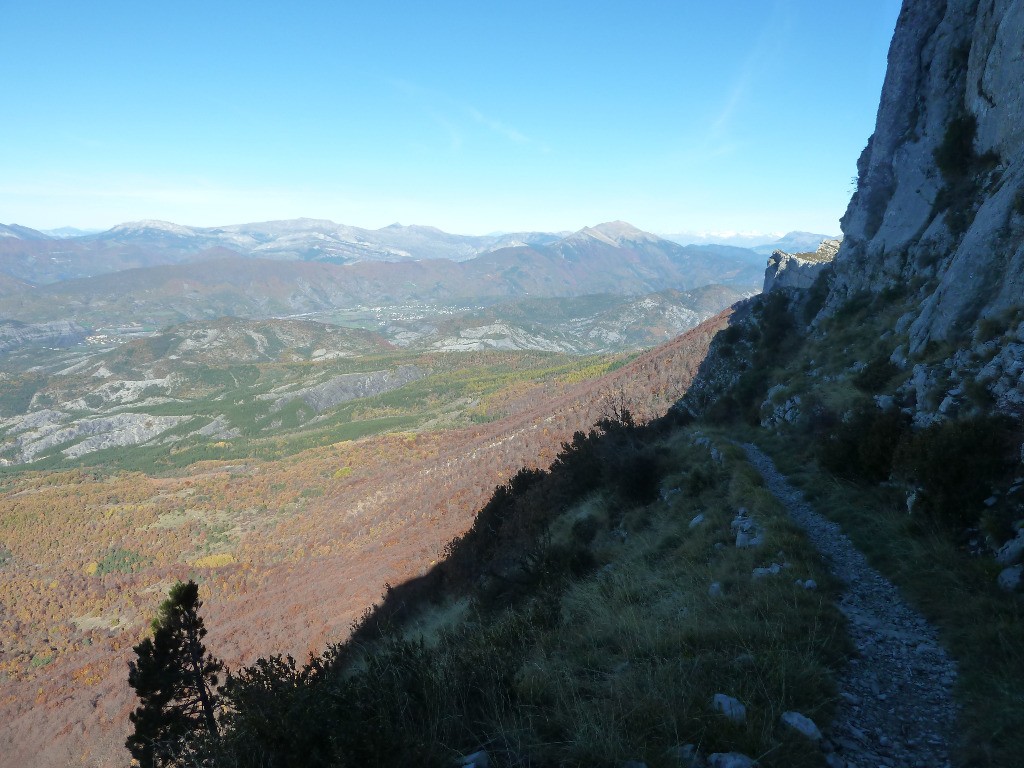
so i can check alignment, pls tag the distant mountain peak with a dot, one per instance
(66, 232)
(18, 232)
(151, 224)
(277, 226)
(617, 233)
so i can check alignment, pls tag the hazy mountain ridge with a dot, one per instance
(759, 242)
(18, 232)
(38, 257)
(67, 253)
(587, 262)
(794, 242)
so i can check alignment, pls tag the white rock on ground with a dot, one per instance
(802, 725)
(476, 760)
(730, 760)
(730, 707)
(1010, 578)
(1012, 551)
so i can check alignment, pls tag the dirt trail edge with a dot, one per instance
(895, 703)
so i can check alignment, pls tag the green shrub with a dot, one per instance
(956, 464)
(271, 692)
(698, 481)
(585, 529)
(990, 328)
(862, 447)
(119, 560)
(961, 167)
(955, 154)
(994, 326)
(638, 477)
(853, 308)
(778, 327)
(875, 375)
(731, 335)
(817, 294)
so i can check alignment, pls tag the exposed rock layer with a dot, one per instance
(798, 270)
(932, 209)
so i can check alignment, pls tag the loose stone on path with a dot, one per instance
(895, 706)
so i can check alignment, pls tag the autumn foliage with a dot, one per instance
(287, 552)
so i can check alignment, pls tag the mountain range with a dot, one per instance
(66, 253)
(199, 279)
(41, 258)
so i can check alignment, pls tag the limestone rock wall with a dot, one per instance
(952, 231)
(799, 270)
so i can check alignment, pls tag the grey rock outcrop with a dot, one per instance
(748, 533)
(88, 435)
(478, 759)
(351, 386)
(61, 333)
(798, 270)
(955, 73)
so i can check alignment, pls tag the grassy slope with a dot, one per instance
(929, 559)
(611, 649)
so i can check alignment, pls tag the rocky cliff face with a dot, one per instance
(60, 333)
(798, 270)
(939, 206)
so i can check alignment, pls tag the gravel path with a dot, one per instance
(895, 706)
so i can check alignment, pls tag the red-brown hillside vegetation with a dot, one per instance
(288, 552)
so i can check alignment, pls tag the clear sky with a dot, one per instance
(682, 115)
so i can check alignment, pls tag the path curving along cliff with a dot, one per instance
(895, 703)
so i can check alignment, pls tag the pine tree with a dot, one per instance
(175, 680)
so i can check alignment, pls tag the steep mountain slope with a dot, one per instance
(878, 389)
(294, 546)
(18, 232)
(890, 390)
(11, 285)
(939, 204)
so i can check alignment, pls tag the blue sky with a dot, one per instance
(741, 115)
